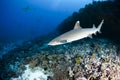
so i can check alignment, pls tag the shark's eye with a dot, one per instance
(63, 41)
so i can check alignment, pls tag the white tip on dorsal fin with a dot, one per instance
(77, 25)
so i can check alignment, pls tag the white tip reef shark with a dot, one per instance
(76, 34)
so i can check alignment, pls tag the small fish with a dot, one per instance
(77, 33)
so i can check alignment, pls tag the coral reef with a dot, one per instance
(86, 59)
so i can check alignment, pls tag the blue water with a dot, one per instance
(25, 19)
(21, 20)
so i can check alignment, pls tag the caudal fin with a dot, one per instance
(100, 25)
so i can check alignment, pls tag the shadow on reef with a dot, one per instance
(93, 14)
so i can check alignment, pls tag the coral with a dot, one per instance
(73, 62)
(34, 63)
(77, 60)
(60, 75)
(32, 74)
(71, 74)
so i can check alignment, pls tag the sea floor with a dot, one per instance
(86, 59)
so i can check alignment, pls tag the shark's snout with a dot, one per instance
(52, 43)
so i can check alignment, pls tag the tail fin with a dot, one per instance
(100, 25)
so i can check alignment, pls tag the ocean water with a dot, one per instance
(27, 27)
(22, 20)
(28, 19)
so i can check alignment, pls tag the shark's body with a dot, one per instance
(75, 34)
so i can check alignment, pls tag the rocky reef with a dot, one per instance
(86, 59)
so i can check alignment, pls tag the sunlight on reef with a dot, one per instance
(32, 74)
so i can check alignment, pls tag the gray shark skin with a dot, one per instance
(76, 34)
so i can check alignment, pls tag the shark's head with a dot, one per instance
(57, 42)
(53, 43)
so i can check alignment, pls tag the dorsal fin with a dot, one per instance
(77, 25)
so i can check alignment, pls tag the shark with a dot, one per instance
(76, 33)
